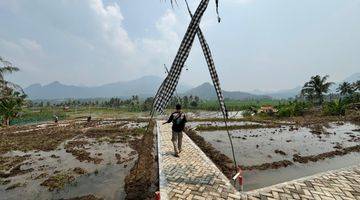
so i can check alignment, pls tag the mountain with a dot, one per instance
(279, 94)
(144, 87)
(207, 91)
(290, 93)
(353, 78)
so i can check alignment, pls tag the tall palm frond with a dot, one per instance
(345, 88)
(356, 85)
(317, 86)
(6, 67)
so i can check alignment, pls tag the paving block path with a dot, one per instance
(193, 175)
(337, 184)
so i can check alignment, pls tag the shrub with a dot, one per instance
(247, 113)
(334, 108)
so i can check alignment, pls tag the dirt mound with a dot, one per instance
(236, 127)
(280, 152)
(322, 156)
(142, 182)
(224, 163)
(87, 197)
(265, 166)
(58, 181)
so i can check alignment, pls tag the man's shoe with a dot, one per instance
(177, 155)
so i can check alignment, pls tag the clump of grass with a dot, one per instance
(58, 181)
(6, 163)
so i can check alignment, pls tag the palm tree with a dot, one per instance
(308, 93)
(356, 85)
(11, 105)
(345, 89)
(317, 86)
(7, 68)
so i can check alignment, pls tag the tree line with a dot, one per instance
(315, 95)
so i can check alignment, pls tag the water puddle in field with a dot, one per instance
(255, 147)
(213, 114)
(91, 166)
(221, 124)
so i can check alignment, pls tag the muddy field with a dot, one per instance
(271, 153)
(97, 160)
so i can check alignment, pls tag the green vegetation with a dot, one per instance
(15, 110)
(315, 99)
(314, 89)
(293, 108)
(12, 97)
(236, 105)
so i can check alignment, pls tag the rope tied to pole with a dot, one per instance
(217, 10)
(214, 76)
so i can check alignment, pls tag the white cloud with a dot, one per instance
(86, 38)
(241, 1)
(111, 23)
(30, 45)
(168, 37)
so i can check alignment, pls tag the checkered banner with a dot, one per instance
(211, 65)
(168, 87)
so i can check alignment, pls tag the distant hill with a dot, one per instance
(147, 86)
(144, 87)
(290, 93)
(353, 78)
(207, 91)
(283, 94)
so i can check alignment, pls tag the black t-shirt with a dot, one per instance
(178, 120)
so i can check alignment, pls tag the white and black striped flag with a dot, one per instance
(168, 87)
(211, 65)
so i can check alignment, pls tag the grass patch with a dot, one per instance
(57, 181)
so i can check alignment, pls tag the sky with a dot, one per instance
(259, 44)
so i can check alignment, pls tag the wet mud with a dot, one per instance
(224, 163)
(70, 159)
(314, 158)
(142, 182)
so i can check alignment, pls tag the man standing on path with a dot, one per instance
(178, 120)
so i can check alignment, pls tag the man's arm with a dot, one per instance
(170, 119)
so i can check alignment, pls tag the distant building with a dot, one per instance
(267, 109)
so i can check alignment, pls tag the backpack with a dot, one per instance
(178, 120)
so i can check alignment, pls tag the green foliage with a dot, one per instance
(334, 108)
(11, 104)
(34, 116)
(236, 105)
(247, 113)
(346, 88)
(315, 89)
(295, 108)
(187, 102)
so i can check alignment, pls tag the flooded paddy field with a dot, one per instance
(272, 155)
(72, 159)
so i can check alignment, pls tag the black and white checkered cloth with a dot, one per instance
(168, 87)
(211, 65)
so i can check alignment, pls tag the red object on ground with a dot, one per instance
(157, 195)
(240, 179)
(239, 170)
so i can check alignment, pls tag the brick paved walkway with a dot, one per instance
(337, 184)
(194, 176)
